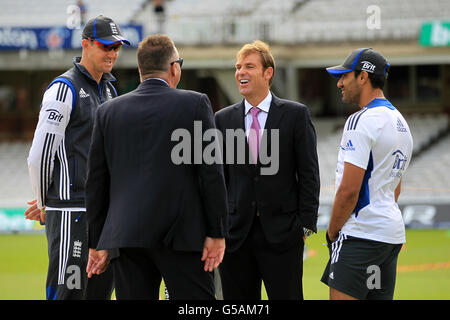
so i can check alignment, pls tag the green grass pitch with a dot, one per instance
(423, 267)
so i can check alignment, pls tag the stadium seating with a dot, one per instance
(44, 13)
(426, 128)
(194, 22)
(15, 187)
(233, 21)
(329, 132)
(294, 21)
(427, 179)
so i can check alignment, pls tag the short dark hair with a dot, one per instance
(377, 81)
(154, 54)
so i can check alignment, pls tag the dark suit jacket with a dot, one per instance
(286, 201)
(135, 195)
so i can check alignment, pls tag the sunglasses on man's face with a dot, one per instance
(115, 46)
(179, 61)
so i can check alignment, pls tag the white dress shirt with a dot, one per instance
(262, 116)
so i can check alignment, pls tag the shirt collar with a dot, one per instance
(263, 105)
(379, 102)
(158, 79)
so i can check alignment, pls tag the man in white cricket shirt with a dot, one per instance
(366, 229)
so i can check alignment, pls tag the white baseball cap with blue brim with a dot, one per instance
(362, 59)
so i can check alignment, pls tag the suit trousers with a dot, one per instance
(138, 273)
(280, 267)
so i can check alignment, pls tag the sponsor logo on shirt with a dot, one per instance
(83, 93)
(400, 161)
(400, 126)
(349, 146)
(54, 116)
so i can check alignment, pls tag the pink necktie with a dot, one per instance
(254, 136)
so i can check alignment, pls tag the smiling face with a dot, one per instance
(252, 79)
(350, 88)
(99, 58)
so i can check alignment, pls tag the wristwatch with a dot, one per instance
(307, 232)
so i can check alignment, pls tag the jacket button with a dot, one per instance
(257, 213)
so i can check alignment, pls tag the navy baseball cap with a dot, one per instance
(362, 59)
(104, 30)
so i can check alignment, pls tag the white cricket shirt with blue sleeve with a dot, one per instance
(378, 140)
(54, 117)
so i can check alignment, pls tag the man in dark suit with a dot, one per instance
(165, 216)
(270, 212)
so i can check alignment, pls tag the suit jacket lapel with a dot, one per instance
(238, 121)
(275, 113)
